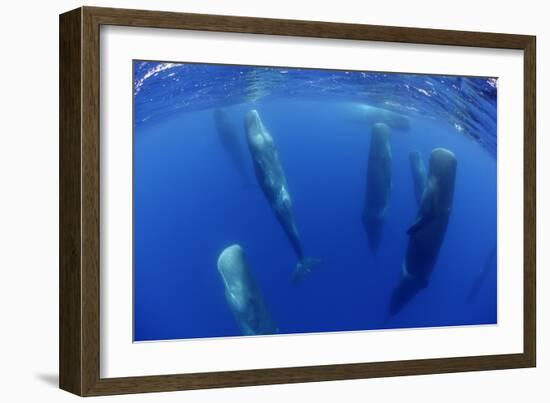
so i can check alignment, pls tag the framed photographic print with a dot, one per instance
(249, 201)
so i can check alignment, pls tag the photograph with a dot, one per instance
(279, 200)
(253, 198)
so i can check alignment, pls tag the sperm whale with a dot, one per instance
(272, 181)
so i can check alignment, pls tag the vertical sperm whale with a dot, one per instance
(272, 181)
(419, 175)
(426, 235)
(229, 138)
(378, 188)
(243, 294)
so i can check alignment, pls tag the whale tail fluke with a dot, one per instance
(303, 267)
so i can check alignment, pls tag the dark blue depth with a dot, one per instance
(190, 201)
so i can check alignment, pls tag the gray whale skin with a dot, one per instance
(272, 181)
(242, 293)
(426, 235)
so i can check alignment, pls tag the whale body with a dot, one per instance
(378, 189)
(231, 142)
(419, 175)
(372, 114)
(243, 294)
(427, 234)
(272, 181)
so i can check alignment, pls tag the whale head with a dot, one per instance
(381, 138)
(232, 267)
(257, 135)
(242, 293)
(253, 121)
(443, 172)
(442, 163)
(232, 262)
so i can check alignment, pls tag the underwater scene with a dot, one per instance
(279, 200)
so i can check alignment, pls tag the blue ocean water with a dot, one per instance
(191, 200)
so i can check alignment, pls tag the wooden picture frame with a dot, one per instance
(79, 346)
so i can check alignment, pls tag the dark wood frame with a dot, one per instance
(80, 185)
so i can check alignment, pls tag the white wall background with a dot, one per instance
(29, 199)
